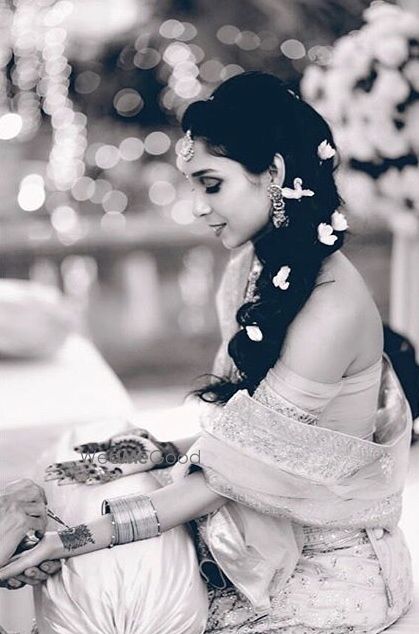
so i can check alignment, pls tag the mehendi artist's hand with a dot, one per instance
(22, 511)
(32, 576)
(22, 566)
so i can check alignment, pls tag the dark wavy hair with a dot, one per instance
(249, 118)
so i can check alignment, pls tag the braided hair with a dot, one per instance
(249, 118)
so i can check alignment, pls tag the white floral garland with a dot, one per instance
(369, 94)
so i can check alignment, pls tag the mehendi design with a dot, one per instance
(81, 472)
(127, 451)
(76, 537)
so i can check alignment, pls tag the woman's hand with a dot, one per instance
(49, 548)
(133, 451)
(32, 576)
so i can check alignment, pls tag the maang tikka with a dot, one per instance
(278, 215)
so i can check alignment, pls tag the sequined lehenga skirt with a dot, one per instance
(335, 589)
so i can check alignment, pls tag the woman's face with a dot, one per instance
(230, 200)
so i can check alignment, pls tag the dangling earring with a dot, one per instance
(277, 213)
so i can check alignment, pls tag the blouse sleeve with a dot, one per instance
(299, 398)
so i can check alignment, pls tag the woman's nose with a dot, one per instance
(200, 208)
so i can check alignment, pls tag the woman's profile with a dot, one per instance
(304, 435)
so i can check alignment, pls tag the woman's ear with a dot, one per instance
(277, 169)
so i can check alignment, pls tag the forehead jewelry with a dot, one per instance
(187, 148)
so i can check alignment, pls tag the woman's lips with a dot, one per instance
(218, 228)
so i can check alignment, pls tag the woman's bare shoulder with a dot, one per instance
(338, 332)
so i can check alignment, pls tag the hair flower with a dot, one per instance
(298, 192)
(325, 234)
(325, 151)
(254, 333)
(280, 279)
(339, 222)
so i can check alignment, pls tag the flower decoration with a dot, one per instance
(367, 90)
(254, 333)
(325, 151)
(339, 222)
(325, 234)
(298, 192)
(281, 278)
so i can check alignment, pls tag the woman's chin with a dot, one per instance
(231, 241)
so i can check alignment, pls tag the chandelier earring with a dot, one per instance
(277, 212)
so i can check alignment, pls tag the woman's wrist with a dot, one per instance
(80, 539)
(55, 547)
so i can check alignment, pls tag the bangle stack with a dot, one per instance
(133, 518)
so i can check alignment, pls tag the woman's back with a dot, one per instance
(341, 322)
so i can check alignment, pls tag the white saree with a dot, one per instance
(307, 542)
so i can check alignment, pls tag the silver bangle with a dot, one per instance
(134, 517)
(113, 534)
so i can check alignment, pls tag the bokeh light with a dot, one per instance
(197, 53)
(182, 212)
(58, 13)
(176, 53)
(185, 69)
(86, 82)
(248, 41)
(230, 71)
(187, 87)
(64, 219)
(157, 143)
(113, 221)
(107, 156)
(162, 193)
(83, 188)
(189, 32)
(147, 58)
(31, 194)
(131, 148)
(102, 187)
(320, 54)
(171, 29)
(210, 70)
(115, 201)
(293, 49)
(228, 34)
(128, 102)
(10, 126)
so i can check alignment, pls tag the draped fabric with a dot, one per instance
(280, 475)
(286, 477)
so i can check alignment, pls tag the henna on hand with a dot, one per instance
(76, 537)
(127, 451)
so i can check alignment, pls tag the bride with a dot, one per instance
(290, 495)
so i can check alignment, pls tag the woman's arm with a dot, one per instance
(175, 504)
(184, 444)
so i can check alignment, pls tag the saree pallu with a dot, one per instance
(305, 502)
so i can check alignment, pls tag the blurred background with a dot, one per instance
(91, 205)
(106, 284)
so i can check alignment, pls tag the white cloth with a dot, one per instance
(148, 587)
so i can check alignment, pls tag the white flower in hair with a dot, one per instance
(254, 333)
(325, 150)
(325, 234)
(298, 192)
(339, 222)
(280, 279)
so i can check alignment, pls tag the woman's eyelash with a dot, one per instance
(213, 189)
